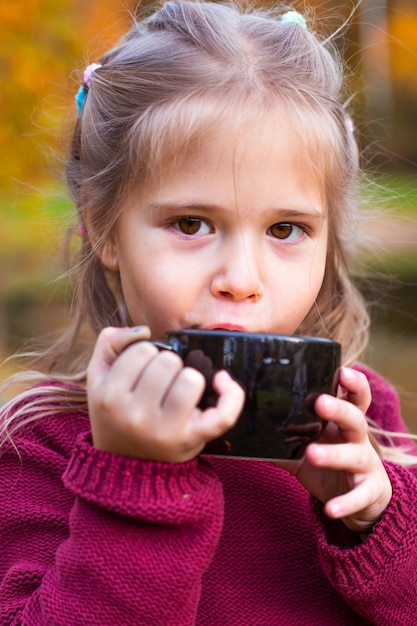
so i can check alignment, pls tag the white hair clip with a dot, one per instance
(350, 127)
(89, 71)
(294, 17)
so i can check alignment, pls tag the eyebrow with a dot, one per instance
(187, 207)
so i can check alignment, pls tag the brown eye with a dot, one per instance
(281, 230)
(189, 225)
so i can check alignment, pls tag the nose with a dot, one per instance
(238, 273)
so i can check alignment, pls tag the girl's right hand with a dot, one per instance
(143, 402)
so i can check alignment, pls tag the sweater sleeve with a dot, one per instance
(378, 577)
(115, 541)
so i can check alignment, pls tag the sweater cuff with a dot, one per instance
(351, 565)
(155, 491)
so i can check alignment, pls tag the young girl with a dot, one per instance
(214, 171)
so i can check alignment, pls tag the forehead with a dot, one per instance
(204, 129)
(250, 163)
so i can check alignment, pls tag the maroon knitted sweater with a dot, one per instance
(91, 538)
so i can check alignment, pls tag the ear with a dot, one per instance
(108, 255)
(106, 251)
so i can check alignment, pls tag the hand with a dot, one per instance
(143, 403)
(342, 469)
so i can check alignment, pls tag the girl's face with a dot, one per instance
(234, 237)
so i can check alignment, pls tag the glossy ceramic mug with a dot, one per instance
(282, 377)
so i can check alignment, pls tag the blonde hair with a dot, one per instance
(172, 78)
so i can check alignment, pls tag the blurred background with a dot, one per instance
(45, 45)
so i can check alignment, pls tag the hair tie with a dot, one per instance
(89, 71)
(293, 17)
(350, 127)
(82, 91)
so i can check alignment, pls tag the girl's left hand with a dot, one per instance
(342, 469)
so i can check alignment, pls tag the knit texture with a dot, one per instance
(89, 537)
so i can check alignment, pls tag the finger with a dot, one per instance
(185, 393)
(349, 503)
(349, 419)
(356, 386)
(217, 420)
(110, 343)
(348, 457)
(131, 364)
(365, 497)
(158, 377)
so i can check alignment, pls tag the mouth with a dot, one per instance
(226, 326)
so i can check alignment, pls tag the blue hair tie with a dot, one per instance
(293, 17)
(80, 98)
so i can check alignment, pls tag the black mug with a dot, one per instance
(281, 376)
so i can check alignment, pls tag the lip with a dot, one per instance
(226, 326)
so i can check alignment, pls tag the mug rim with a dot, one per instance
(254, 335)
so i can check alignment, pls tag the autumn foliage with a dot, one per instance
(45, 42)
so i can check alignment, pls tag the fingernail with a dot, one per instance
(136, 329)
(317, 451)
(224, 374)
(329, 402)
(334, 509)
(348, 374)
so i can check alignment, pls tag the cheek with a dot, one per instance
(153, 289)
(316, 278)
(305, 285)
(317, 274)
(317, 264)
